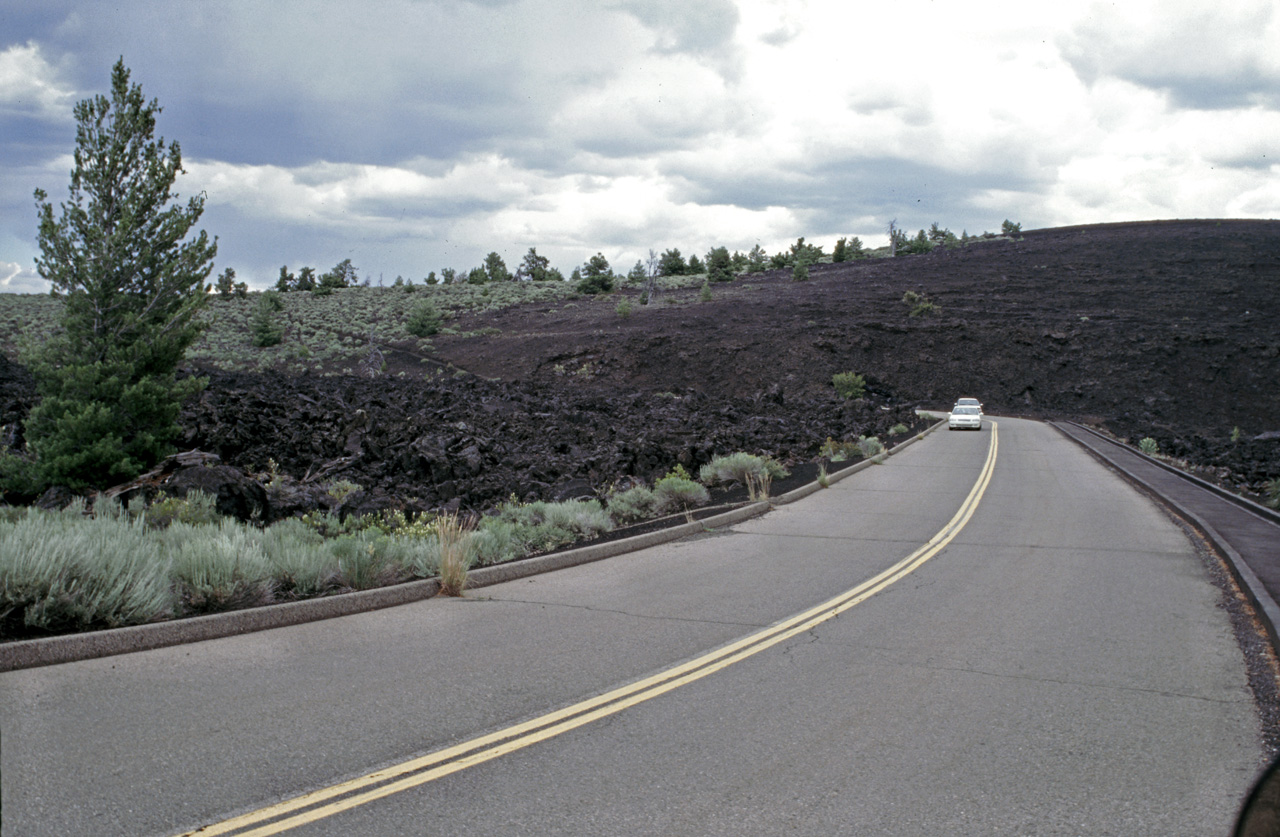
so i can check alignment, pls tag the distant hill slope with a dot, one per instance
(1167, 329)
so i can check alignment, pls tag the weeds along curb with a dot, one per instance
(813, 487)
(512, 570)
(32, 653)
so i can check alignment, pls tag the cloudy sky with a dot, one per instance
(412, 135)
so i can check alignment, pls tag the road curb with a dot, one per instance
(32, 653)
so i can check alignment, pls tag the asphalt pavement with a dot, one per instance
(1059, 666)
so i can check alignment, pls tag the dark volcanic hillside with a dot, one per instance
(1161, 329)
(1164, 329)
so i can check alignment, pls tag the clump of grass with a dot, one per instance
(920, 305)
(899, 429)
(342, 489)
(194, 509)
(456, 554)
(1149, 446)
(870, 446)
(1273, 493)
(838, 451)
(823, 479)
(758, 486)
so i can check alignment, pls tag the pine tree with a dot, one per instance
(131, 285)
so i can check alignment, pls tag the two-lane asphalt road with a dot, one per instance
(968, 639)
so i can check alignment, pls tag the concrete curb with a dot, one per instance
(1245, 503)
(32, 653)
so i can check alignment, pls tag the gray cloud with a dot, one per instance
(1217, 57)
(693, 26)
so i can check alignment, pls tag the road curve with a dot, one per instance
(1060, 665)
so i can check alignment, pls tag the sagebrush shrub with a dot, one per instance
(870, 446)
(217, 568)
(678, 492)
(66, 572)
(636, 503)
(739, 468)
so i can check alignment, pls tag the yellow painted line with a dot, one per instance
(274, 819)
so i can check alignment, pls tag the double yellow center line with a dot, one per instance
(326, 802)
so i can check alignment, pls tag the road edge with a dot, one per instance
(1267, 609)
(34, 653)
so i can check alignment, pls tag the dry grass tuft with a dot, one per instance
(455, 554)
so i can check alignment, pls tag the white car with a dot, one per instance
(969, 402)
(965, 417)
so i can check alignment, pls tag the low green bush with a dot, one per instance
(194, 509)
(424, 319)
(637, 503)
(849, 384)
(65, 572)
(1149, 446)
(217, 568)
(740, 468)
(870, 446)
(919, 305)
(1273, 493)
(678, 492)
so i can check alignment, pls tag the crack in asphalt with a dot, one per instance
(753, 625)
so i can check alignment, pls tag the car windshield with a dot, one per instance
(965, 411)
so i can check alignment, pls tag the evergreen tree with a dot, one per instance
(424, 319)
(306, 279)
(637, 274)
(672, 263)
(595, 276)
(263, 326)
(226, 283)
(720, 265)
(495, 269)
(343, 275)
(287, 281)
(533, 268)
(132, 285)
(839, 252)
